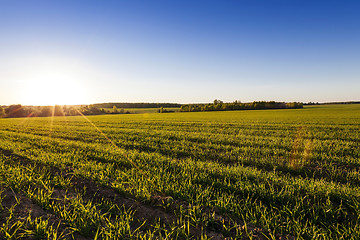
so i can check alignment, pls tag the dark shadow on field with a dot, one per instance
(18, 207)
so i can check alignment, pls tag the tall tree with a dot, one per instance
(115, 110)
(2, 112)
(15, 111)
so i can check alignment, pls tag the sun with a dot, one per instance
(54, 90)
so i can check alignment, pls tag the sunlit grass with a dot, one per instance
(239, 174)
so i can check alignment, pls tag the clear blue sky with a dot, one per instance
(179, 51)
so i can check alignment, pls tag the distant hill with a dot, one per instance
(325, 103)
(137, 105)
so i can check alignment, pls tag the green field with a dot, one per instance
(261, 174)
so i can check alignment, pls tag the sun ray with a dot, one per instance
(52, 120)
(65, 119)
(26, 119)
(122, 152)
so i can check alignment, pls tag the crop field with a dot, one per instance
(261, 174)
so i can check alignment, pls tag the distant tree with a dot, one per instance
(58, 111)
(91, 110)
(15, 111)
(46, 111)
(184, 108)
(2, 112)
(161, 110)
(115, 110)
(122, 111)
(65, 109)
(216, 101)
(33, 111)
(72, 111)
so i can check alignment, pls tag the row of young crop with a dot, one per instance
(79, 210)
(299, 152)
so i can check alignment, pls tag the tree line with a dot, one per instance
(219, 105)
(137, 105)
(325, 103)
(18, 110)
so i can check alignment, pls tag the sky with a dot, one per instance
(82, 52)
